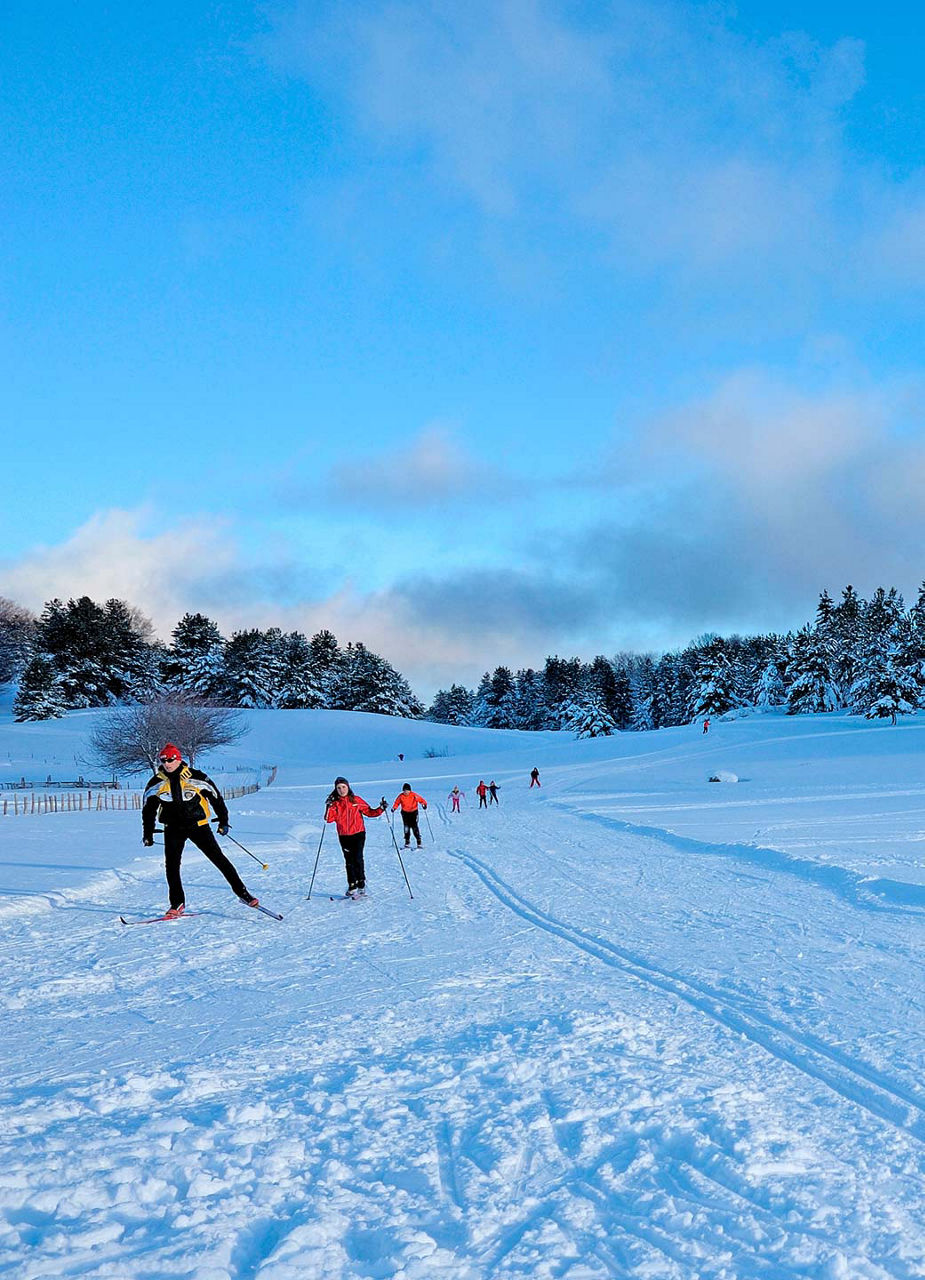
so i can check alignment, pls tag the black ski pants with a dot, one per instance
(410, 823)
(353, 858)
(203, 838)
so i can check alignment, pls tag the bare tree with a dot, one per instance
(129, 739)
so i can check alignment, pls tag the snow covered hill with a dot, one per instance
(632, 1024)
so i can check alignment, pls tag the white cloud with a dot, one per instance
(113, 554)
(433, 466)
(790, 489)
(657, 124)
(196, 565)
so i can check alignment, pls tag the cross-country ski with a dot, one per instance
(187, 915)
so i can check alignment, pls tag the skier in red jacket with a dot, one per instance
(408, 802)
(346, 810)
(482, 792)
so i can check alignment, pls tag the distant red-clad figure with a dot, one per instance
(482, 792)
(535, 778)
(706, 725)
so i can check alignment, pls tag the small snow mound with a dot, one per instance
(721, 775)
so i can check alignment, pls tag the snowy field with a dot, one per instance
(634, 1024)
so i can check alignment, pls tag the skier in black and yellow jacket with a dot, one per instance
(183, 798)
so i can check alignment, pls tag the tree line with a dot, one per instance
(863, 656)
(85, 654)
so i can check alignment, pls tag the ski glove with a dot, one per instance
(224, 828)
(148, 840)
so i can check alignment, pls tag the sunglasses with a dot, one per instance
(168, 759)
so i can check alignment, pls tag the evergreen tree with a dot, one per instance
(619, 705)
(843, 640)
(589, 718)
(885, 688)
(644, 696)
(825, 611)
(562, 679)
(39, 696)
(809, 674)
(771, 690)
(327, 664)
(669, 703)
(250, 671)
(195, 663)
(370, 683)
(495, 700)
(101, 653)
(713, 690)
(909, 638)
(881, 614)
(276, 647)
(529, 708)
(17, 628)
(125, 651)
(299, 686)
(452, 706)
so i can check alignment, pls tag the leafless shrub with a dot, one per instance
(128, 739)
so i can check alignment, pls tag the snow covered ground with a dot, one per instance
(633, 1024)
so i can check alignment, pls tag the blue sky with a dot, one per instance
(476, 332)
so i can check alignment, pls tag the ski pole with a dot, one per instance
(324, 827)
(401, 864)
(429, 827)
(265, 865)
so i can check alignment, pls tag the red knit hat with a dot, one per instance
(170, 752)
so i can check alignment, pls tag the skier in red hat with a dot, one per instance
(183, 799)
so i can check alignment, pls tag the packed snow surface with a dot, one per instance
(630, 1024)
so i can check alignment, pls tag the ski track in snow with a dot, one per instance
(586, 1049)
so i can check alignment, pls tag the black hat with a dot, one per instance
(336, 780)
(406, 787)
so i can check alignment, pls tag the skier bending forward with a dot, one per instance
(346, 811)
(182, 798)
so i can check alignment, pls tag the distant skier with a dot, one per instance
(535, 778)
(493, 792)
(454, 798)
(408, 802)
(482, 792)
(706, 725)
(346, 810)
(183, 798)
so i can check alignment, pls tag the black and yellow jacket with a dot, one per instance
(186, 798)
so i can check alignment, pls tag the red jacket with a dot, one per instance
(409, 800)
(347, 812)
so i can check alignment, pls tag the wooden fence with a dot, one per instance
(90, 801)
